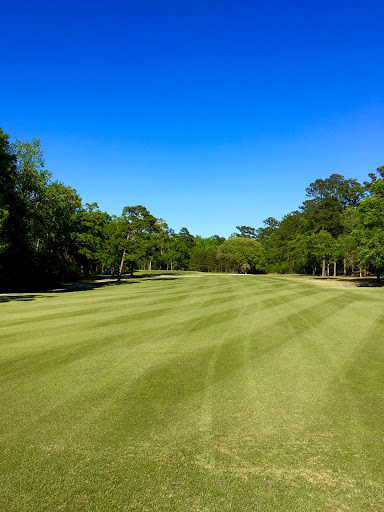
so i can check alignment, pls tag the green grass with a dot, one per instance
(193, 393)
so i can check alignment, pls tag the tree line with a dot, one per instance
(47, 234)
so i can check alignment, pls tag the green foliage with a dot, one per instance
(136, 223)
(183, 246)
(90, 234)
(242, 255)
(371, 232)
(46, 232)
(204, 255)
(246, 231)
(13, 227)
(7, 189)
(204, 259)
(345, 192)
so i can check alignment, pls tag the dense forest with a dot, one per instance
(47, 234)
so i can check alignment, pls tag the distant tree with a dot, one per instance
(57, 251)
(204, 259)
(13, 231)
(31, 185)
(280, 256)
(347, 243)
(204, 254)
(89, 237)
(186, 237)
(171, 249)
(246, 231)
(270, 225)
(113, 244)
(371, 215)
(241, 255)
(137, 221)
(219, 239)
(183, 248)
(347, 192)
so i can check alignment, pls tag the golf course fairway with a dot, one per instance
(193, 392)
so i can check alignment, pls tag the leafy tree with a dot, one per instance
(204, 259)
(241, 255)
(246, 231)
(183, 248)
(32, 181)
(205, 242)
(280, 256)
(347, 244)
(113, 244)
(13, 231)
(8, 196)
(270, 225)
(346, 192)
(57, 251)
(371, 215)
(137, 221)
(171, 249)
(186, 237)
(89, 237)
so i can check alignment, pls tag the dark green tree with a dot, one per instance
(183, 248)
(371, 232)
(136, 221)
(89, 237)
(246, 231)
(13, 230)
(242, 255)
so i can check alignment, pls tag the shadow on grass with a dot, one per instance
(360, 282)
(364, 283)
(84, 286)
(125, 281)
(159, 273)
(23, 297)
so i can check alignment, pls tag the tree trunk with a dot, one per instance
(345, 267)
(334, 269)
(360, 272)
(150, 265)
(328, 269)
(122, 258)
(323, 269)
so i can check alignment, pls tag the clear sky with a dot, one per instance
(209, 113)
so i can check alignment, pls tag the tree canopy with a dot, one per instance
(47, 233)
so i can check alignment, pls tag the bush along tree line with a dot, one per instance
(47, 234)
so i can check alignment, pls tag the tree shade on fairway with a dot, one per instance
(193, 392)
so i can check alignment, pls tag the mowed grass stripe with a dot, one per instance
(238, 393)
(70, 357)
(106, 314)
(82, 351)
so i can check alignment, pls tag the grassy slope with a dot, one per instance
(204, 393)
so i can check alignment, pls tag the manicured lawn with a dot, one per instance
(193, 393)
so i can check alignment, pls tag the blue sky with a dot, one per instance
(211, 114)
